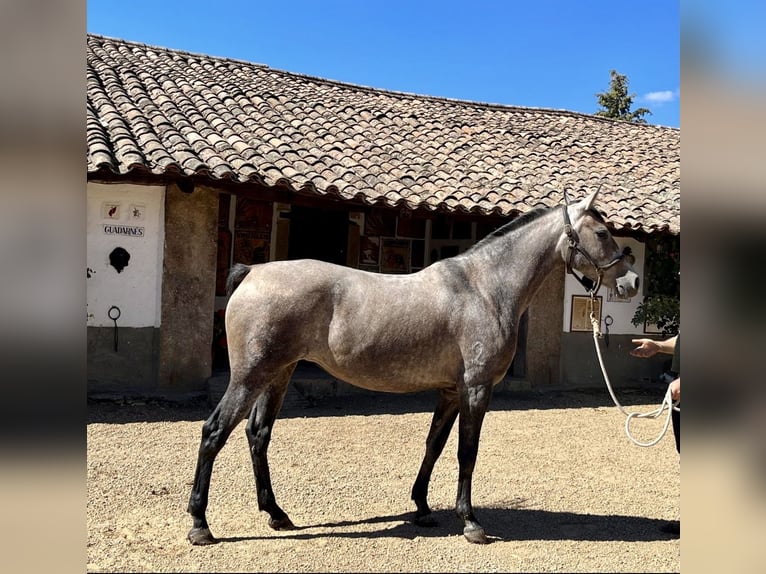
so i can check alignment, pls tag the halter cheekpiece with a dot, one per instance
(573, 242)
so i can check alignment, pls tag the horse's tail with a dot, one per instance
(236, 275)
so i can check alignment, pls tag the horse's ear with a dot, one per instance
(590, 200)
(566, 197)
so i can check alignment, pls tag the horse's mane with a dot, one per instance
(520, 221)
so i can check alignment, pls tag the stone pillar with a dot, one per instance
(544, 331)
(188, 289)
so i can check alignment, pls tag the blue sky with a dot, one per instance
(541, 53)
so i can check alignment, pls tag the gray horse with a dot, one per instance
(452, 326)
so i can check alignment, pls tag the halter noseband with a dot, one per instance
(574, 245)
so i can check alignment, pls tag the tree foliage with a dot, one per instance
(616, 102)
(661, 304)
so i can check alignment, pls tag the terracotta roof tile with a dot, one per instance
(155, 110)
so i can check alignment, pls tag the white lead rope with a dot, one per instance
(667, 402)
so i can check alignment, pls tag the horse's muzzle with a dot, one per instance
(627, 285)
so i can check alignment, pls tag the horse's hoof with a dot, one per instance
(426, 520)
(201, 537)
(281, 523)
(475, 534)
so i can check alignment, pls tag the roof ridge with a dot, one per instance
(384, 91)
(176, 50)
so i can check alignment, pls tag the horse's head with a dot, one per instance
(588, 246)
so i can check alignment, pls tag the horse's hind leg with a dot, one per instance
(230, 411)
(441, 425)
(258, 430)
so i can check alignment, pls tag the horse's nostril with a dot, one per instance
(638, 283)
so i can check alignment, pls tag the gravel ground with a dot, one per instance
(558, 487)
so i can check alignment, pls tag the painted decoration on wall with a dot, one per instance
(395, 256)
(137, 212)
(110, 210)
(582, 305)
(119, 258)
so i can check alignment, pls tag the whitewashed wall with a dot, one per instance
(114, 211)
(622, 312)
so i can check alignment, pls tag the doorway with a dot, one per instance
(318, 233)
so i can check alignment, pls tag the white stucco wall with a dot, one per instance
(137, 289)
(622, 312)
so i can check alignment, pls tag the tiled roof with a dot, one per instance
(157, 111)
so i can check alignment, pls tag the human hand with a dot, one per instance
(646, 348)
(675, 389)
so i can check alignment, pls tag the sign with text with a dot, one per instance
(127, 230)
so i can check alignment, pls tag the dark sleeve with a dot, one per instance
(675, 366)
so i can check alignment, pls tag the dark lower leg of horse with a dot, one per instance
(473, 408)
(472, 530)
(215, 432)
(258, 430)
(441, 425)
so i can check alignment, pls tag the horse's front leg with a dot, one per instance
(441, 425)
(474, 402)
(258, 430)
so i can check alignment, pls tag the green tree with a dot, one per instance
(662, 285)
(616, 102)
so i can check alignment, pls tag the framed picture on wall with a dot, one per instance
(581, 310)
(251, 246)
(613, 297)
(395, 256)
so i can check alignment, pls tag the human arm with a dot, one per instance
(649, 347)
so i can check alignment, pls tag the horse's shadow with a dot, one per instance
(502, 524)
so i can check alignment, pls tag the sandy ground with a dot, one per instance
(558, 487)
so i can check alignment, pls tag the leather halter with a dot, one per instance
(574, 246)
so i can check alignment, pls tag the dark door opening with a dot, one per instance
(318, 233)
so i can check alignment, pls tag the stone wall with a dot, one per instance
(188, 289)
(544, 332)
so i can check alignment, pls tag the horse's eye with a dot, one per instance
(602, 233)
